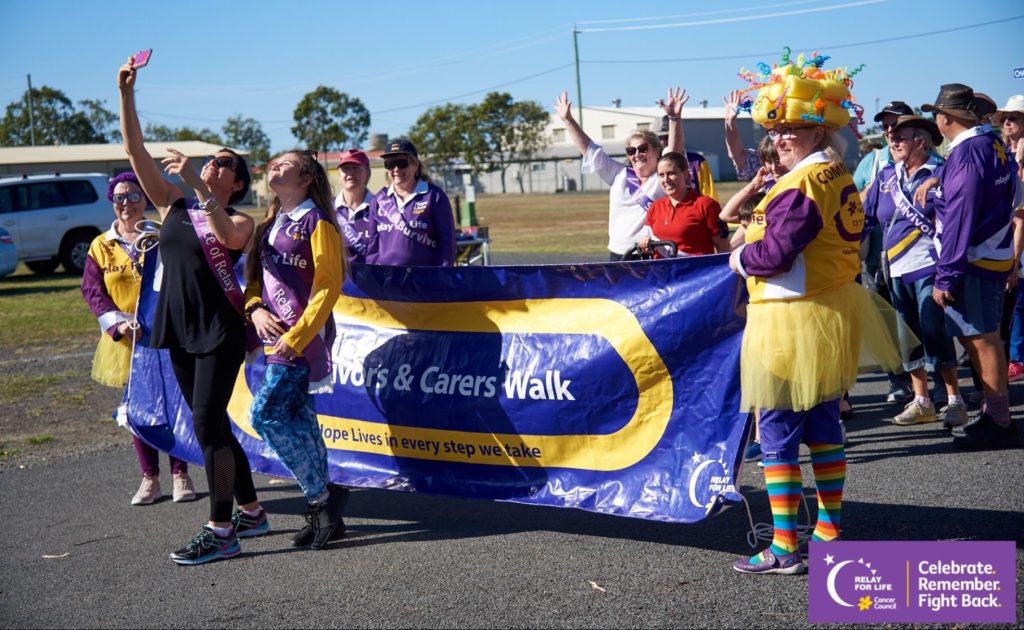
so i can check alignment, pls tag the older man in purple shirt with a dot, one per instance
(974, 211)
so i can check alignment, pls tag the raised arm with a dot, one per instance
(733, 144)
(563, 107)
(161, 192)
(673, 106)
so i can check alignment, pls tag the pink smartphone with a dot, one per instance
(141, 58)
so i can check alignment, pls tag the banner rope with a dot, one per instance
(765, 532)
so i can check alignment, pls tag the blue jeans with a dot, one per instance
(284, 415)
(913, 301)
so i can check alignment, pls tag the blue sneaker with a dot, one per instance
(249, 526)
(788, 564)
(753, 452)
(207, 547)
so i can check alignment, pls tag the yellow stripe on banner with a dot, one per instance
(898, 248)
(994, 265)
(566, 316)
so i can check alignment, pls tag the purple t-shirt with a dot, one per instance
(420, 232)
(354, 224)
(974, 209)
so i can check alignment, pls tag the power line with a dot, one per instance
(745, 18)
(690, 15)
(829, 47)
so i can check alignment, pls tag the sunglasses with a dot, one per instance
(786, 133)
(631, 151)
(132, 197)
(1011, 119)
(899, 139)
(220, 161)
(400, 163)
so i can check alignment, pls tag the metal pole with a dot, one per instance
(31, 115)
(579, 91)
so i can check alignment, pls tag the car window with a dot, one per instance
(77, 192)
(6, 203)
(43, 195)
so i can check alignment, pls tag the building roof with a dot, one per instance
(101, 152)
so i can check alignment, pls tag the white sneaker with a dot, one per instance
(954, 415)
(149, 491)
(916, 413)
(183, 489)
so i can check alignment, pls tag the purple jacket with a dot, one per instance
(974, 210)
(419, 233)
(355, 225)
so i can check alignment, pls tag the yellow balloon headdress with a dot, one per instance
(801, 92)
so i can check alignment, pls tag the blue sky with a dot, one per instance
(214, 59)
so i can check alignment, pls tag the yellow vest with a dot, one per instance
(121, 281)
(832, 259)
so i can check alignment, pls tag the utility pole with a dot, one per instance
(579, 91)
(31, 115)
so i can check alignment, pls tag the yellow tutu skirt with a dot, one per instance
(800, 353)
(112, 361)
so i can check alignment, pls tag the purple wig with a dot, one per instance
(127, 176)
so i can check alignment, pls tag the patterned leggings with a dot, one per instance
(285, 417)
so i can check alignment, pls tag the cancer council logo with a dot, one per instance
(709, 480)
(857, 584)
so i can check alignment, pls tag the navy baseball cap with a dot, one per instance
(398, 146)
(896, 108)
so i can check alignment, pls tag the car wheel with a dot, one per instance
(43, 266)
(75, 251)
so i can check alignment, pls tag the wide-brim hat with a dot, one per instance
(1014, 105)
(398, 146)
(955, 99)
(916, 122)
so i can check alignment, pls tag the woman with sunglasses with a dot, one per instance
(110, 286)
(808, 319)
(199, 319)
(634, 186)
(413, 222)
(294, 267)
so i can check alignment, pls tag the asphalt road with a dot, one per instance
(425, 561)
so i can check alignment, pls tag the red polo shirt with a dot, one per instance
(690, 223)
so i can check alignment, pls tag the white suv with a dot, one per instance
(53, 218)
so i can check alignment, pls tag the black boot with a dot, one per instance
(334, 508)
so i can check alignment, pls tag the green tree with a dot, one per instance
(327, 119)
(507, 132)
(104, 122)
(247, 134)
(162, 133)
(57, 121)
(443, 133)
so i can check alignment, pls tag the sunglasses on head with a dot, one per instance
(132, 197)
(220, 161)
(631, 151)
(399, 163)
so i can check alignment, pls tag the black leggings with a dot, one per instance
(206, 382)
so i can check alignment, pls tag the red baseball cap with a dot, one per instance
(354, 156)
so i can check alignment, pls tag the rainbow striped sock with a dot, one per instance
(784, 485)
(829, 464)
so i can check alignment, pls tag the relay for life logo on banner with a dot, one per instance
(923, 582)
(607, 387)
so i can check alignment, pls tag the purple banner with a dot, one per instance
(921, 582)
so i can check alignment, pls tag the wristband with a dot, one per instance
(209, 206)
(249, 310)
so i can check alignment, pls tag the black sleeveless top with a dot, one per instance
(192, 311)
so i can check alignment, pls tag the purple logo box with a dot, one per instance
(925, 582)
